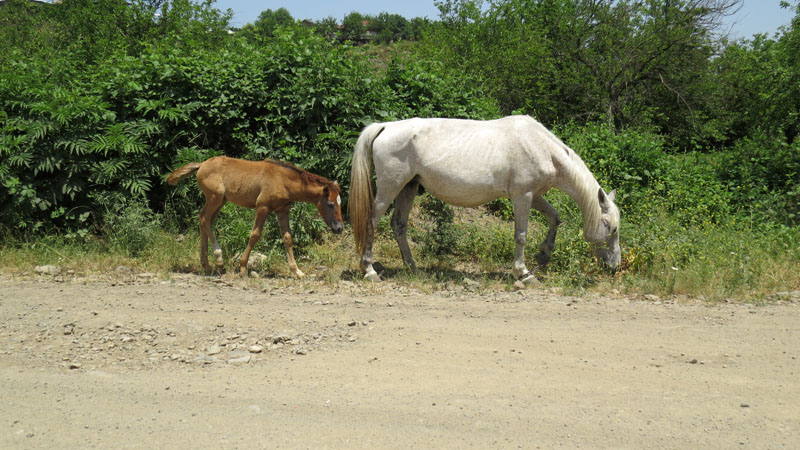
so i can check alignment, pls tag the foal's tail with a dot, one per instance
(361, 196)
(182, 173)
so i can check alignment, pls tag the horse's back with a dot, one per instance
(467, 162)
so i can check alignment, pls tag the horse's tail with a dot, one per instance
(361, 196)
(182, 172)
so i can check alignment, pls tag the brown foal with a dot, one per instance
(267, 186)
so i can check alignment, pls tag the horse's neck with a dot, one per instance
(579, 183)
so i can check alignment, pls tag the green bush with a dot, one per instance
(763, 175)
(130, 225)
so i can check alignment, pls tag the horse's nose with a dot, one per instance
(337, 227)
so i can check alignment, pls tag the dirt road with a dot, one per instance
(188, 362)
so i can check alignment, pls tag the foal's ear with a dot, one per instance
(325, 191)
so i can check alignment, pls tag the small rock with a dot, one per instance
(239, 358)
(300, 351)
(205, 359)
(255, 349)
(745, 405)
(213, 349)
(280, 338)
(693, 361)
(652, 297)
(519, 285)
(352, 323)
(470, 283)
(74, 365)
(47, 270)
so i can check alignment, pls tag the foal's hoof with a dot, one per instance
(372, 276)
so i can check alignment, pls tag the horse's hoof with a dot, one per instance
(299, 274)
(542, 259)
(528, 279)
(372, 276)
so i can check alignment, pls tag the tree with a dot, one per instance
(353, 27)
(623, 62)
(266, 24)
(391, 27)
(328, 28)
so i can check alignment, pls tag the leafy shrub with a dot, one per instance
(442, 236)
(763, 174)
(130, 225)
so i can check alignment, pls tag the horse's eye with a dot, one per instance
(330, 204)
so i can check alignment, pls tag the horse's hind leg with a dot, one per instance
(402, 207)
(549, 243)
(386, 193)
(255, 235)
(283, 222)
(522, 208)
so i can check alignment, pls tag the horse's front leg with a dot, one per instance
(283, 222)
(522, 208)
(549, 243)
(402, 207)
(255, 235)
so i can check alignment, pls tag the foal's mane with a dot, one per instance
(304, 175)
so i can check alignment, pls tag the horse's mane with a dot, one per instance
(585, 186)
(304, 175)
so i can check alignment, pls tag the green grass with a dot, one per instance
(742, 259)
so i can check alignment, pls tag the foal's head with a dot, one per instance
(329, 205)
(604, 234)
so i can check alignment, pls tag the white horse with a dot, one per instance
(469, 163)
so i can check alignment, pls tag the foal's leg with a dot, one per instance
(217, 250)
(255, 235)
(208, 214)
(283, 222)
(402, 207)
(522, 208)
(549, 243)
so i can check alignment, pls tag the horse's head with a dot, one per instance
(329, 206)
(604, 234)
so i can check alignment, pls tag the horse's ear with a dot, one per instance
(612, 195)
(603, 199)
(325, 191)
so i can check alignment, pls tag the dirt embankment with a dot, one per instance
(192, 363)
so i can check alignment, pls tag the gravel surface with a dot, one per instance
(183, 361)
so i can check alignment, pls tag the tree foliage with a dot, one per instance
(81, 132)
(99, 100)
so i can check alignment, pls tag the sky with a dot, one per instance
(755, 16)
